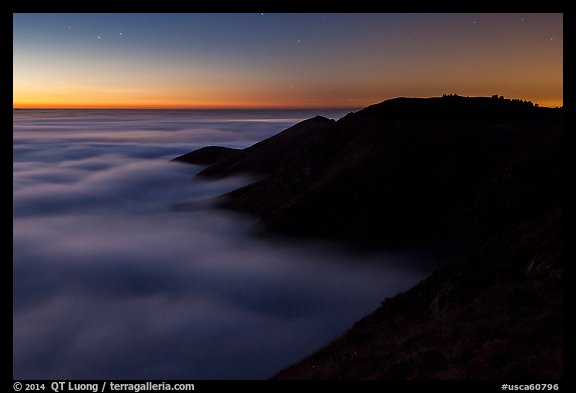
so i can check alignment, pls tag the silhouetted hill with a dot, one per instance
(207, 155)
(394, 172)
(477, 180)
(267, 156)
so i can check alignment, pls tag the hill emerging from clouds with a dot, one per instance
(476, 180)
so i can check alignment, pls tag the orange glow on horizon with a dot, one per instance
(242, 61)
(71, 98)
(213, 105)
(551, 103)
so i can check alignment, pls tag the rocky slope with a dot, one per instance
(477, 180)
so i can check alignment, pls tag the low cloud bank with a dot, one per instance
(110, 281)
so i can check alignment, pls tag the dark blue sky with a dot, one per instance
(281, 60)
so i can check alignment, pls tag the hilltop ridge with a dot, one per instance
(478, 181)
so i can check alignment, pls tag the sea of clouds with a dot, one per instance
(113, 281)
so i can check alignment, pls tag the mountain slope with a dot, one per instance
(479, 181)
(393, 173)
(496, 315)
(268, 155)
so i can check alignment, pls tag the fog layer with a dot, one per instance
(112, 281)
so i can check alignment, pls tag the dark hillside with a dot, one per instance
(479, 181)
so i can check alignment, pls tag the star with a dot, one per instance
(299, 41)
(121, 34)
(262, 13)
(99, 37)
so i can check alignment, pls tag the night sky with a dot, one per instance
(281, 60)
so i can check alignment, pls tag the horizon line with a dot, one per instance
(185, 108)
(559, 104)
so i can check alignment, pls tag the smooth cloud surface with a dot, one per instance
(111, 280)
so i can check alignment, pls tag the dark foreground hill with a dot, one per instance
(479, 179)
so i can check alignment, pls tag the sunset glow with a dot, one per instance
(281, 60)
